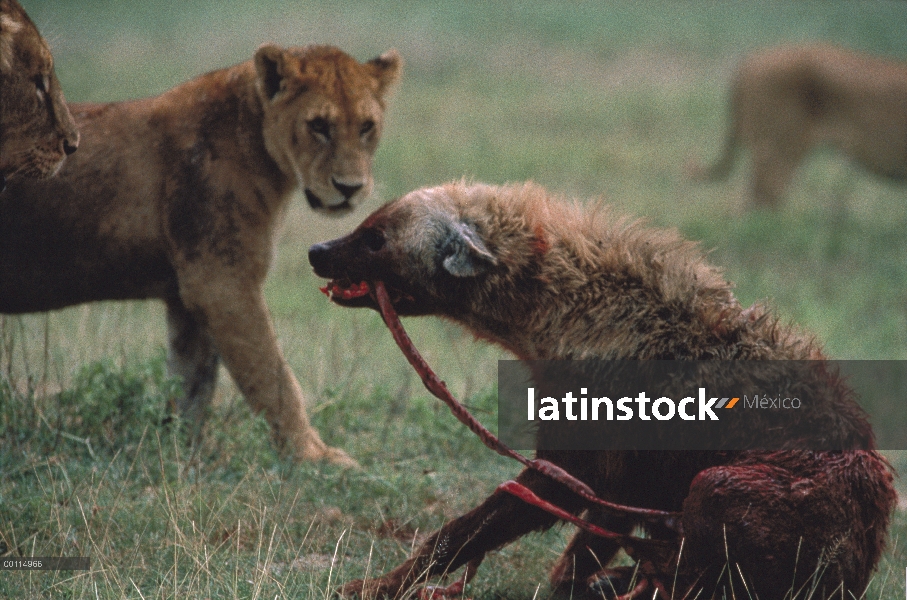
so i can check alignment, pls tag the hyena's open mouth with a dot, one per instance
(345, 289)
(358, 295)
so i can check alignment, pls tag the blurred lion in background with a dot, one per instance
(785, 101)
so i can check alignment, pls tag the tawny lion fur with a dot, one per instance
(36, 128)
(178, 198)
(552, 280)
(785, 101)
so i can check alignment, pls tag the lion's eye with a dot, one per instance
(319, 126)
(373, 239)
(42, 84)
(367, 127)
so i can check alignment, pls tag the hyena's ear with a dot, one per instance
(464, 252)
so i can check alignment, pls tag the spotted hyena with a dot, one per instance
(548, 279)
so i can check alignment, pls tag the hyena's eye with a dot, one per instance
(366, 127)
(373, 239)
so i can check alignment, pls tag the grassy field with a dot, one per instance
(587, 98)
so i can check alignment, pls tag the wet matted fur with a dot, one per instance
(553, 280)
(178, 197)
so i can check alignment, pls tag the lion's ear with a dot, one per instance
(9, 27)
(271, 66)
(386, 69)
(464, 252)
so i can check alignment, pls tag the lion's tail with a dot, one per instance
(721, 168)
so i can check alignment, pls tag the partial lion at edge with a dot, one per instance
(37, 131)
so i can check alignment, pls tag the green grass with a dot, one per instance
(590, 99)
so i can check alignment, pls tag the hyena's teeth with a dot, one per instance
(335, 290)
(356, 290)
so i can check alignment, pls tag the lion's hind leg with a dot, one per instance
(779, 136)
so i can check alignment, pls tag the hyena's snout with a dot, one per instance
(320, 257)
(336, 258)
(350, 284)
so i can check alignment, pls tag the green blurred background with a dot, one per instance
(588, 98)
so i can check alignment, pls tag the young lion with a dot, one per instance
(178, 197)
(549, 280)
(36, 128)
(787, 100)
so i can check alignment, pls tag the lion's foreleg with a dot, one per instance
(241, 328)
(778, 146)
(193, 358)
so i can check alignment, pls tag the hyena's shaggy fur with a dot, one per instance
(551, 280)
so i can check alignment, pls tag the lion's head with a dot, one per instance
(36, 129)
(323, 115)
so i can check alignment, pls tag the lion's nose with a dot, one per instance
(347, 190)
(70, 146)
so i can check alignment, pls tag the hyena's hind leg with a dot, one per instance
(193, 358)
(778, 519)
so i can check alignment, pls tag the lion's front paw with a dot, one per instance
(338, 457)
(310, 448)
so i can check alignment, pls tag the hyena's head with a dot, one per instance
(438, 250)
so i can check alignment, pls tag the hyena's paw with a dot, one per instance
(621, 583)
(437, 592)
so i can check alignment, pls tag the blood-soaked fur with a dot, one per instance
(178, 198)
(553, 280)
(786, 101)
